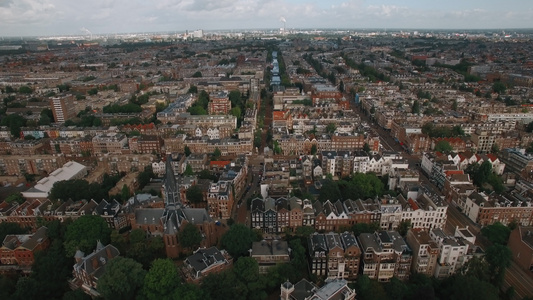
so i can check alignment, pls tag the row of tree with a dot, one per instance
(360, 185)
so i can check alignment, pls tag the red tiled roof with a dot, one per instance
(492, 157)
(452, 172)
(219, 163)
(413, 204)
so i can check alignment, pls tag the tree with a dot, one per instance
(404, 227)
(246, 270)
(76, 295)
(476, 267)
(125, 193)
(7, 228)
(341, 86)
(466, 287)
(194, 194)
(236, 111)
(415, 109)
(83, 234)
(364, 228)
(454, 104)
(497, 233)
(396, 289)
(224, 285)
(499, 87)
(187, 151)
(329, 191)
(197, 74)
(190, 237)
(14, 122)
(193, 89)
(217, 153)
(15, 197)
(494, 149)
(238, 240)
(25, 89)
(188, 171)
(366, 148)
(313, 149)
(51, 270)
(331, 127)
(122, 278)
(499, 259)
(443, 146)
(161, 281)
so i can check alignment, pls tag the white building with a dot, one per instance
(70, 170)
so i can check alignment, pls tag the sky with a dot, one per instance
(75, 17)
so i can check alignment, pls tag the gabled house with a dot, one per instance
(205, 261)
(89, 268)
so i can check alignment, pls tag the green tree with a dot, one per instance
(194, 194)
(25, 89)
(217, 153)
(404, 227)
(14, 122)
(499, 259)
(497, 233)
(76, 295)
(84, 233)
(188, 171)
(499, 87)
(162, 281)
(190, 237)
(415, 109)
(395, 289)
(122, 279)
(366, 148)
(15, 197)
(331, 127)
(125, 193)
(313, 149)
(359, 228)
(197, 74)
(187, 151)
(193, 89)
(236, 111)
(51, 270)
(454, 104)
(329, 191)
(224, 285)
(443, 146)
(238, 240)
(495, 149)
(7, 228)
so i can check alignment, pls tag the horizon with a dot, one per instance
(32, 18)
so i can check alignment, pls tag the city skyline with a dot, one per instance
(62, 17)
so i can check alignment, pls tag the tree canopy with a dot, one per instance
(122, 280)
(83, 234)
(190, 237)
(238, 240)
(194, 194)
(161, 281)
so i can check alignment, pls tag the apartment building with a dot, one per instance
(452, 253)
(334, 255)
(219, 103)
(385, 255)
(220, 200)
(425, 252)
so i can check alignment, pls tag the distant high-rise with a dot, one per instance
(63, 108)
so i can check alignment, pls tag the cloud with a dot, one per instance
(36, 17)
